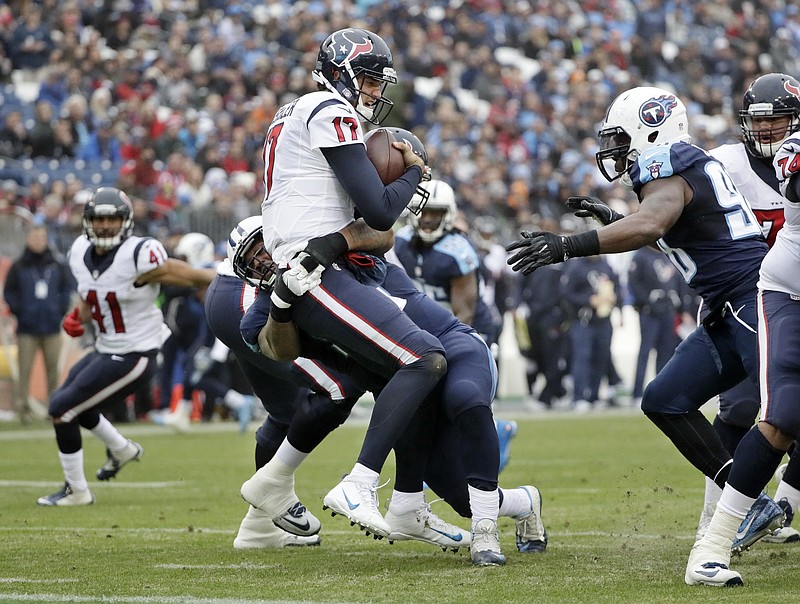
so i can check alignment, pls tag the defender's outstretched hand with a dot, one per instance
(585, 206)
(535, 249)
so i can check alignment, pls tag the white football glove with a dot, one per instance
(787, 162)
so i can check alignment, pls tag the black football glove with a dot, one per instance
(324, 250)
(585, 206)
(537, 248)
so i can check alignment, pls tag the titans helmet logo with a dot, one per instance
(654, 112)
(655, 168)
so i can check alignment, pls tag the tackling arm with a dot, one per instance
(178, 272)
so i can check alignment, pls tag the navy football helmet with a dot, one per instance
(770, 97)
(247, 255)
(108, 201)
(349, 53)
(422, 194)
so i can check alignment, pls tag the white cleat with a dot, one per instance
(485, 547)
(530, 532)
(67, 497)
(115, 461)
(423, 525)
(358, 502)
(709, 559)
(257, 531)
(275, 497)
(180, 418)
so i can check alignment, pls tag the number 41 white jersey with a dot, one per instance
(303, 197)
(125, 317)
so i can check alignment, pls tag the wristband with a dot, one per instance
(582, 244)
(280, 315)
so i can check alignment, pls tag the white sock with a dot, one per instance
(735, 503)
(361, 473)
(791, 494)
(234, 400)
(720, 535)
(515, 503)
(289, 455)
(402, 503)
(712, 493)
(72, 463)
(110, 436)
(483, 504)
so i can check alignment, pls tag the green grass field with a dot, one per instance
(620, 506)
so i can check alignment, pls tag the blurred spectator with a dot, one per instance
(41, 136)
(30, 42)
(13, 136)
(37, 290)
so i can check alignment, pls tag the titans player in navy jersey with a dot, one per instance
(443, 263)
(690, 209)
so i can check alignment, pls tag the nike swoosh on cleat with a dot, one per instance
(457, 537)
(707, 573)
(303, 527)
(350, 504)
(741, 533)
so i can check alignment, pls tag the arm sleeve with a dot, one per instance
(379, 206)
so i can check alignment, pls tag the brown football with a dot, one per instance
(387, 160)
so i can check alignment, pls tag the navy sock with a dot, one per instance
(755, 462)
(729, 434)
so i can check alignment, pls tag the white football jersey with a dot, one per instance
(766, 202)
(303, 197)
(780, 270)
(125, 317)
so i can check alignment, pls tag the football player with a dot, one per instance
(298, 418)
(443, 262)
(118, 277)
(317, 178)
(691, 210)
(465, 476)
(770, 112)
(763, 447)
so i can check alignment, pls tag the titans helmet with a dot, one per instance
(442, 201)
(247, 255)
(636, 120)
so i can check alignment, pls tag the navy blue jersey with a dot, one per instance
(717, 243)
(432, 268)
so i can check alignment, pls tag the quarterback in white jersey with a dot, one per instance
(118, 277)
(318, 180)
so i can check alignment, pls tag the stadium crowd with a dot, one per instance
(169, 101)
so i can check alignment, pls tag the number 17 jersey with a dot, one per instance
(303, 198)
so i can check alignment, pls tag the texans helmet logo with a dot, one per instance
(792, 89)
(654, 112)
(355, 48)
